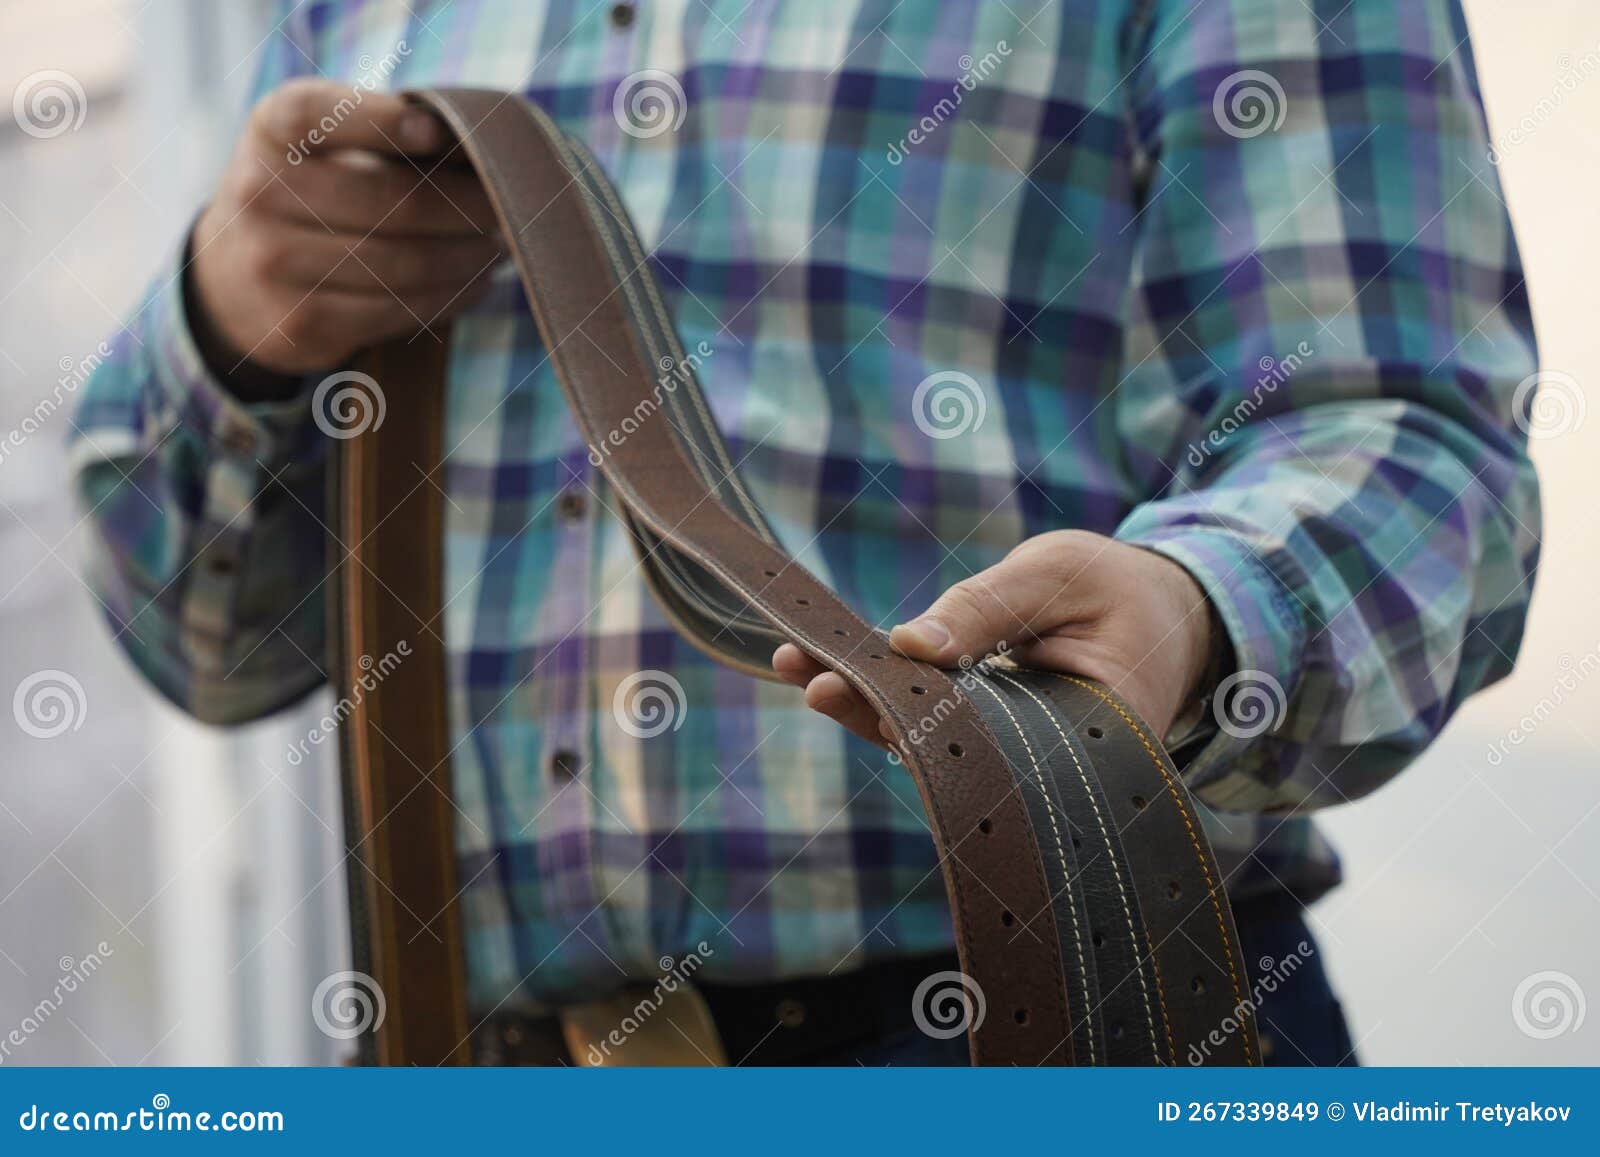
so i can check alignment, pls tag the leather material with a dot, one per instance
(389, 673)
(1088, 909)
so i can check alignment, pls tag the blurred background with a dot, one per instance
(187, 881)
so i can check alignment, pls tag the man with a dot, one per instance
(1173, 344)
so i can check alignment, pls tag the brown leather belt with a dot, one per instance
(1088, 909)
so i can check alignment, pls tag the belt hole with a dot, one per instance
(803, 602)
(1139, 802)
(1007, 919)
(916, 690)
(1077, 844)
(986, 825)
(1096, 733)
(1020, 1016)
(1197, 984)
(873, 655)
(770, 573)
(841, 634)
(956, 749)
(1174, 890)
(1116, 1032)
(1098, 938)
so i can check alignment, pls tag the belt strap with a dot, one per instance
(1089, 913)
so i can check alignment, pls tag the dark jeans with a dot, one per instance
(1299, 1021)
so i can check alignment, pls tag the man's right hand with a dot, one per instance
(311, 251)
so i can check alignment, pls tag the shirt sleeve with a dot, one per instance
(206, 547)
(1328, 380)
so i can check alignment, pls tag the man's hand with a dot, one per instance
(1068, 601)
(329, 232)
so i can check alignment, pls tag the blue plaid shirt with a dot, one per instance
(1231, 279)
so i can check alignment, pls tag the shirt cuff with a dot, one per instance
(190, 393)
(1236, 769)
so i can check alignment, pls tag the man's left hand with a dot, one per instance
(1068, 601)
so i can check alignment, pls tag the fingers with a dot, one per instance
(972, 618)
(310, 258)
(1043, 585)
(828, 693)
(310, 116)
(315, 330)
(795, 666)
(336, 226)
(342, 194)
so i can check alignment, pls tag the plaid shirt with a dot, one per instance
(1231, 279)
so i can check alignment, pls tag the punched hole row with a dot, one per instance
(954, 749)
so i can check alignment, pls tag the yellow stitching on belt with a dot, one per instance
(1161, 996)
(1194, 838)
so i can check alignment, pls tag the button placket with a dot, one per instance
(572, 505)
(564, 765)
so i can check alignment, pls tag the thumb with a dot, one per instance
(1003, 604)
(310, 115)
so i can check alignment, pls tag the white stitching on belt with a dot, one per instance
(1077, 933)
(1116, 868)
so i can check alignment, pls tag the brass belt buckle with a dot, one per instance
(644, 1026)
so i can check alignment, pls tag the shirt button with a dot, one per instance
(564, 765)
(622, 15)
(239, 440)
(571, 505)
(790, 1013)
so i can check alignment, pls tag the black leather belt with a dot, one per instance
(1087, 906)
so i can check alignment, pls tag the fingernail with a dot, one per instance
(832, 708)
(930, 633)
(418, 130)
